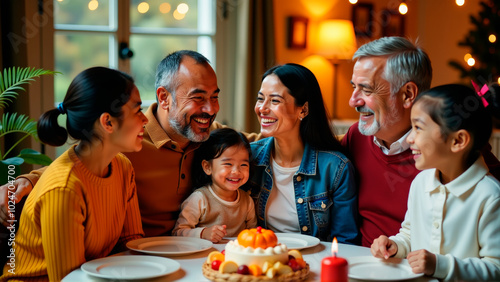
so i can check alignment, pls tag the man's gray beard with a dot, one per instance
(371, 130)
(187, 132)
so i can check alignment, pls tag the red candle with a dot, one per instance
(334, 268)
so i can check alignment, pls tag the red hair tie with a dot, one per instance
(481, 91)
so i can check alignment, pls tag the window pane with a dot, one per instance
(92, 12)
(164, 14)
(148, 52)
(75, 52)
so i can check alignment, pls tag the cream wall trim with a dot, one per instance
(231, 56)
(39, 34)
(241, 64)
(224, 56)
(47, 62)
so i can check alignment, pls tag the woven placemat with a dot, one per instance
(215, 275)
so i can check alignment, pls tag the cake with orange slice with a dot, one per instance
(256, 255)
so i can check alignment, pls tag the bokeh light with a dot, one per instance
(183, 8)
(93, 5)
(403, 8)
(165, 8)
(143, 7)
(460, 2)
(471, 62)
(492, 38)
(178, 16)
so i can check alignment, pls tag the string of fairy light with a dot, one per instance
(403, 9)
(144, 7)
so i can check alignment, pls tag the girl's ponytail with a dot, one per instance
(49, 131)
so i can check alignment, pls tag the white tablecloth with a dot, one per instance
(191, 264)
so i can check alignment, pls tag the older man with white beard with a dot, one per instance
(387, 77)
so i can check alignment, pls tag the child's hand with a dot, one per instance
(382, 247)
(422, 261)
(214, 233)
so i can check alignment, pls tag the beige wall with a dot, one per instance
(438, 26)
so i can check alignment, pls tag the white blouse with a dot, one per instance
(458, 221)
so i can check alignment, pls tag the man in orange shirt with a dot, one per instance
(187, 104)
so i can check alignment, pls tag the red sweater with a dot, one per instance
(384, 183)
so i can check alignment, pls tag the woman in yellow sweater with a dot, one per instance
(85, 203)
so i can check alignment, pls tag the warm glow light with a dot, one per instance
(182, 8)
(317, 8)
(492, 38)
(403, 9)
(353, 1)
(498, 80)
(467, 57)
(60, 0)
(336, 39)
(471, 62)
(143, 7)
(93, 5)
(178, 16)
(165, 8)
(460, 2)
(335, 247)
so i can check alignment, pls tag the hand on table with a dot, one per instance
(422, 261)
(383, 247)
(19, 189)
(214, 233)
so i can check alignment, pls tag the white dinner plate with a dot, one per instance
(297, 241)
(130, 267)
(169, 245)
(372, 268)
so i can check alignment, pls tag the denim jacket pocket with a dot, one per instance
(320, 210)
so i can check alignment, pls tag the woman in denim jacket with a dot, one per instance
(302, 181)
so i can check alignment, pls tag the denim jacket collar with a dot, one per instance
(308, 164)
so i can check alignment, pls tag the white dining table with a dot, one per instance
(191, 265)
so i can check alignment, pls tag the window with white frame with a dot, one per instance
(130, 35)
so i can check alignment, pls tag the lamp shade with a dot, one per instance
(336, 39)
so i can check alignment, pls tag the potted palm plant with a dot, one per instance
(11, 82)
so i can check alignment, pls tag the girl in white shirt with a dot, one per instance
(219, 208)
(451, 229)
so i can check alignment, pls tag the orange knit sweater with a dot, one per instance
(73, 216)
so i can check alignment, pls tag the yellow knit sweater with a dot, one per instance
(73, 216)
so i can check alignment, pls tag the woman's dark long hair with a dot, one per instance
(315, 128)
(92, 92)
(219, 141)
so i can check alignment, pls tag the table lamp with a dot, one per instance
(336, 41)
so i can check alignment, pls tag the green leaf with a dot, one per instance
(12, 122)
(13, 161)
(12, 79)
(34, 157)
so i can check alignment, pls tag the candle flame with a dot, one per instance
(335, 247)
